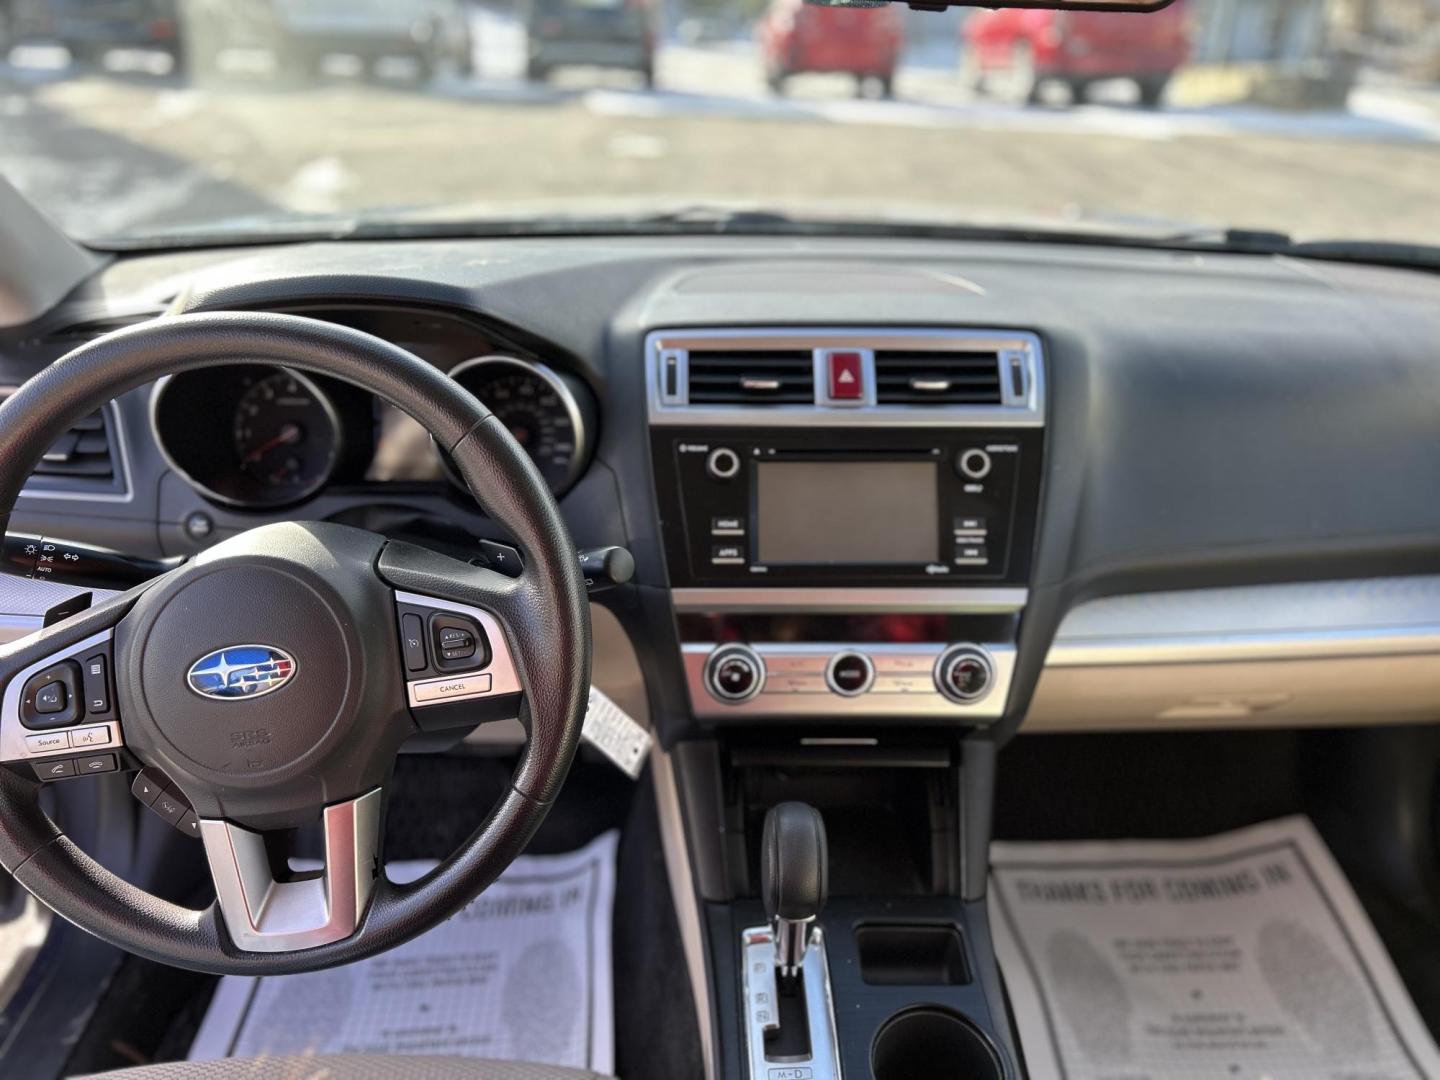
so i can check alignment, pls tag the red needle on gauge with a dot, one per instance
(288, 436)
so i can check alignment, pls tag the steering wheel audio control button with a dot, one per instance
(51, 698)
(47, 743)
(95, 679)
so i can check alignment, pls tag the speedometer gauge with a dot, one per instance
(549, 414)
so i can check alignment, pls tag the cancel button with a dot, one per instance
(460, 686)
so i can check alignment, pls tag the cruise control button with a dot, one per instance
(446, 689)
(412, 640)
(47, 743)
(96, 763)
(457, 642)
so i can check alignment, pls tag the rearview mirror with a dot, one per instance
(1059, 5)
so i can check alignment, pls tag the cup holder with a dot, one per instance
(930, 1043)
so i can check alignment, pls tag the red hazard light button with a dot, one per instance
(846, 383)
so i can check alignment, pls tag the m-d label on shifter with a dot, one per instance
(616, 734)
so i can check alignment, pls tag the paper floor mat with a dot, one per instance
(522, 973)
(1242, 955)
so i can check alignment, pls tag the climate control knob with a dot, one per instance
(964, 674)
(849, 674)
(734, 673)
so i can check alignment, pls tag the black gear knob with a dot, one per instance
(794, 877)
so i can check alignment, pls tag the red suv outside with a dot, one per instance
(1013, 52)
(796, 37)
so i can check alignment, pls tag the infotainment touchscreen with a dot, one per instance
(809, 512)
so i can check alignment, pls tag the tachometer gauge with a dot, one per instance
(286, 436)
(549, 414)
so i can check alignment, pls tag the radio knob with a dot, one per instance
(849, 674)
(964, 674)
(974, 463)
(734, 673)
(723, 463)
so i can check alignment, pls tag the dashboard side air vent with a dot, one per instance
(83, 462)
(926, 377)
(751, 377)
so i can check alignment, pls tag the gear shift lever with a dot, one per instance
(794, 878)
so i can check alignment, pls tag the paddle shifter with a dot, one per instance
(789, 1015)
(794, 878)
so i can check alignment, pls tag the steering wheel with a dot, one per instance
(272, 679)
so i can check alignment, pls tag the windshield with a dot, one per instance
(151, 120)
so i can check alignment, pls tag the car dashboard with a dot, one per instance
(863, 481)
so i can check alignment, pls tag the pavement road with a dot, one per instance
(122, 151)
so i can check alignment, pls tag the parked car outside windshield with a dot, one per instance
(162, 121)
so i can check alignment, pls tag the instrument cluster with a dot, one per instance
(256, 436)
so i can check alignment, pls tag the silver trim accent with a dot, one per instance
(163, 383)
(501, 671)
(789, 663)
(959, 601)
(678, 871)
(1027, 410)
(580, 456)
(122, 457)
(757, 947)
(265, 915)
(1294, 621)
(864, 688)
(12, 732)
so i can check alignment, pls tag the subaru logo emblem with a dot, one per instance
(241, 671)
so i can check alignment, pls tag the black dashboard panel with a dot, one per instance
(1211, 419)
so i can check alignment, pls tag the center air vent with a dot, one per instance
(926, 377)
(82, 461)
(752, 377)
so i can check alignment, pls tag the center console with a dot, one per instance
(848, 518)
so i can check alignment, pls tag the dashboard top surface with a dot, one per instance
(1211, 419)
